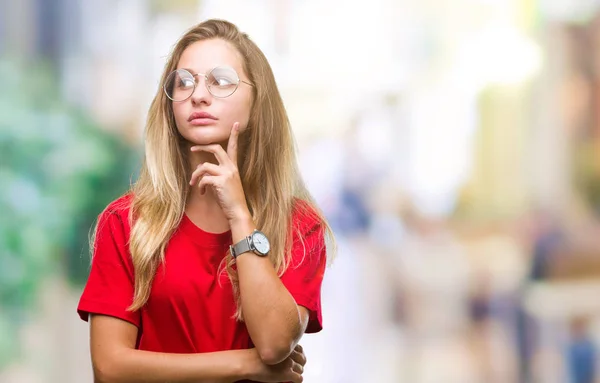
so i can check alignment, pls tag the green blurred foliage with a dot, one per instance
(58, 170)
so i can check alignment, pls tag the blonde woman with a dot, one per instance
(209, 269)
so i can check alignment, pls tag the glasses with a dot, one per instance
(221, 82)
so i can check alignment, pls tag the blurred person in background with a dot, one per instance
(210, 267)
(581, 352)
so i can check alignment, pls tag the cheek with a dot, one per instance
(242, 116)
(243, 112)
(179, 111)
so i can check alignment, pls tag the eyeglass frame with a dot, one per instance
(239, 80)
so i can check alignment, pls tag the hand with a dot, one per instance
(224, 178)
(290, 370)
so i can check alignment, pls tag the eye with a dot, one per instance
(223, 81)
(185, 83)
(223, 77)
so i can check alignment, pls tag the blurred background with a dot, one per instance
(454, 146)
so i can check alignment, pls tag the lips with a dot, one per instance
(201, 116)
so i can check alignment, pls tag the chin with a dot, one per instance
(205, 137)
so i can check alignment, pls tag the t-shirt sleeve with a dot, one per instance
(304, 275)
(110, 286)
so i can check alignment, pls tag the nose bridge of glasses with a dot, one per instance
(198, 77)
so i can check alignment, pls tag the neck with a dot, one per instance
(204, 210)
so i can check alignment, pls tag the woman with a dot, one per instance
(209, 269)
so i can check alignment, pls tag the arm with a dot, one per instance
(274, 321)
(115, 360)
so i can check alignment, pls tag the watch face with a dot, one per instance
(261, 243)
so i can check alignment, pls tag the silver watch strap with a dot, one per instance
(241, 247)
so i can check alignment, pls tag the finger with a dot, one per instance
(207, 181)
(232, 145)
(296, 378)
(299, 348)
(298, 368)
(298, 357)
(215, 149)
(205, 168)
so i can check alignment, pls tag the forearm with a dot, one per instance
(132, 366)
(270, 312)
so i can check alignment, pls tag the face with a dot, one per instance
(201, 57)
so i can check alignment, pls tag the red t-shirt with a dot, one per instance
(191, 304)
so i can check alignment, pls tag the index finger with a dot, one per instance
(232, 145)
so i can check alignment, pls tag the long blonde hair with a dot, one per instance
(267, 165)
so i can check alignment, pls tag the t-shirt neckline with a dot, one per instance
(203, 237)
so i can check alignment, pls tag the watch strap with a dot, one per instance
(241, 247)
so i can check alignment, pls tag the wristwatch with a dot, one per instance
(257, 242)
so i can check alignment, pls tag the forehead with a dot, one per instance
(204, 55)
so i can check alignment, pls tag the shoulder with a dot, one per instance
(117, 211)
(120, 206)
(111, 234)
(305, 215)
(306, 219)
(308, 229)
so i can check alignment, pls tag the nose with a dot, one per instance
(201, 94)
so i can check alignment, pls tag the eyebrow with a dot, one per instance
(190, 70)
(221, 65)
(194, 73)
